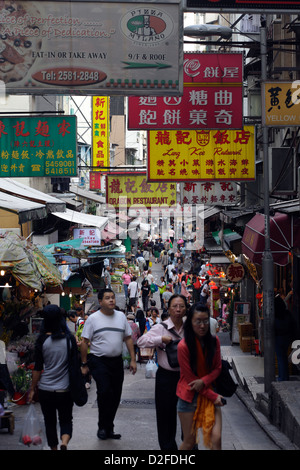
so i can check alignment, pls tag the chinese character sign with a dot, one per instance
(187, 155)
(95, 180)
(133, 188)
(38, 146)
(212, 97)
(100, 126)
(90, 236)
(209, 193)
(282, 103)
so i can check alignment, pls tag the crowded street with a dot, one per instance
(136, 419)
(149, 228)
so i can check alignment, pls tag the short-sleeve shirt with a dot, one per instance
(106, 333)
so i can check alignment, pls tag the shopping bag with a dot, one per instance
(151, 369)
(31, 433)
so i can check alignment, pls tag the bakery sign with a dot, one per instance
(38, 146)
(207, 155)
(91, 47)
(212, 97)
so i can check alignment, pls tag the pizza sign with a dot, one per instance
(110, 48)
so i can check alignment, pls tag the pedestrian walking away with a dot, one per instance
(166, 376)
(51, 374)
(133, 291)
(199, 356)
(107, 278)
(127, 278)
(105, 331)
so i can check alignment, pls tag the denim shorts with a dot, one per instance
(187, 407)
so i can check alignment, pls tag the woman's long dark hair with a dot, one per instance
(209, 340)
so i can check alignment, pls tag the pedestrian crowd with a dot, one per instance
(182, 320)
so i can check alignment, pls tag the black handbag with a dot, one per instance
(171, 349)
(225, 385)
(77, 382)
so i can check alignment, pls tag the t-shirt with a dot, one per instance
(145, 290)
(166, 296)
(106, 333)
(133, 289)
(54, 358)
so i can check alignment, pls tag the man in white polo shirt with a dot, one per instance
(104, 332)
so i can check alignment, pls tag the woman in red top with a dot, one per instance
(199, 357)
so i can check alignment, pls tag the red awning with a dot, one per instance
(284, 236)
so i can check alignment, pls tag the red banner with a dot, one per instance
(212, 97)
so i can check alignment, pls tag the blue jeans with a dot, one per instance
(126, 290)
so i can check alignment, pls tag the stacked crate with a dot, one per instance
(246, 336)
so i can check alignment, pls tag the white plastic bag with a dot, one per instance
(151, 369)
(31, 432)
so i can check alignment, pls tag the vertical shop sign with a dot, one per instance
(95, 180)
(100, 126)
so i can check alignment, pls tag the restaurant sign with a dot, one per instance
(134, 189)
(91, 47)
(208, 155)
(38, 146)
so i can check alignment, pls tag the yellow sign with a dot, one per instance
(100, 129)
(282, 103)
(186, 155)
(133, 188)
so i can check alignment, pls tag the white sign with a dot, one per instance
(90, 236)
(92, 47)
(209, 193)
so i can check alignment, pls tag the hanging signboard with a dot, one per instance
(100, 131)
(281, 103)
(209, 193)
(133, 188)
(187, 155)
(38, 146)
(91, 47)
(212, 97)
(95, 180)
(90, 236)
(244, 6)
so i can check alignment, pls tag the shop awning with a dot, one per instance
(86, 194)
(284, 236)
(83, 219)
(111, 231)
(26, 210)
(17, 189)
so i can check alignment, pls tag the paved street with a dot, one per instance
(136, 420)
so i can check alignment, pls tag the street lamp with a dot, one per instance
(203, 30)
